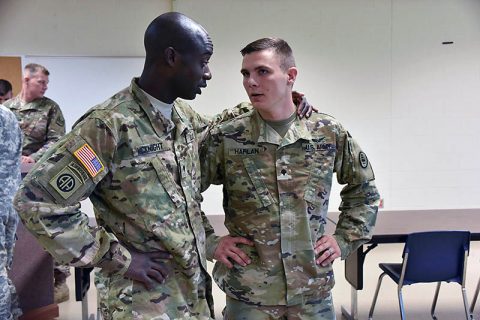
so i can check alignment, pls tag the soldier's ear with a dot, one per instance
(292, 75)
(171, 56)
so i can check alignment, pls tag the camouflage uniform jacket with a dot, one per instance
(276, 193)
(10, 150)
(41, 122)
(142, 174)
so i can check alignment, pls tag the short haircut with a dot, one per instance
(280, 46)
(5, 87)
(33, 68)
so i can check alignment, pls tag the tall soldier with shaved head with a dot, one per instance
(136, 156)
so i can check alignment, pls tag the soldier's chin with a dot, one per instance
(190, 96)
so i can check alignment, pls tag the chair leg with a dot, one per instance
(372, 307)
(435, 299)
(472, 306)
(465, 303)
(400, 302)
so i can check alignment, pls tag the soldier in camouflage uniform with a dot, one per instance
(276, 172)
(136, 157)
(40, 118)
(42, 124)
(10, 149)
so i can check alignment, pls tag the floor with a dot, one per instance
(417, 298)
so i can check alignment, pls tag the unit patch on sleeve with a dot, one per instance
(89, 159)
(68, 180)
(362, 157)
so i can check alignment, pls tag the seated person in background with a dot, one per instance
(5, 90)
(276, 171)
(10, 151)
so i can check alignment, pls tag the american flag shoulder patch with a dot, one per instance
(89, 159)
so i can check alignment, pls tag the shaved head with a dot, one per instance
(174, 30)
(178, 51)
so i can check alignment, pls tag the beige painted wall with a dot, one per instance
(76, 28)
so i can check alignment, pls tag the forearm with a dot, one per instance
(358, 215)
(64, 232)
(211, 238)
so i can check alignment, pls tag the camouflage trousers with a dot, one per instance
(123, 299)
(316, 310)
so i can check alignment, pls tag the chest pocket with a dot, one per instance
(257, 181)
(34, 124)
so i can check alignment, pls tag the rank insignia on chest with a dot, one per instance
(243, 151)
(89, 159)
(189, 137)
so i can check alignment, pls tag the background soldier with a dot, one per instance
(10, 149)
(42, 124)
(40, 118)
(276, 172)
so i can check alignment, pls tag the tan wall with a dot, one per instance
(78, 28)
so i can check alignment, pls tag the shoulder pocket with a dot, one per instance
(68, 175)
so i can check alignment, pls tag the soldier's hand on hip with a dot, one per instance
(149, 267)
(227, 249)
(326, 250)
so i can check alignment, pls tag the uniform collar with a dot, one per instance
(18, 104)
(298, 130)
(160, 124)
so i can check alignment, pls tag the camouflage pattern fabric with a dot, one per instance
(321, 309)
(42, 124)
(142, 174)
(10, 149)
(276, 193)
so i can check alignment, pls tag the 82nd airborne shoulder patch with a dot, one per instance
(68, 180)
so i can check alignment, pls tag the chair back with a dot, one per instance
(436, 256)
